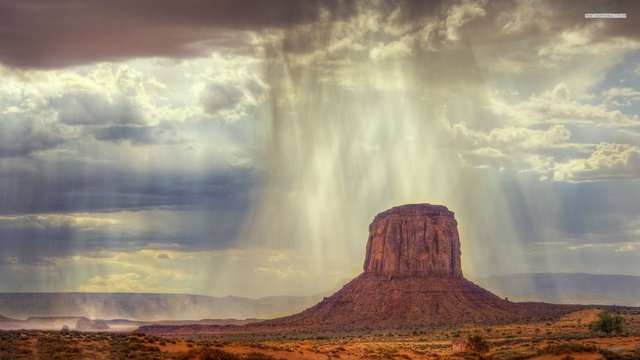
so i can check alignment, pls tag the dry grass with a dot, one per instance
(565, 338)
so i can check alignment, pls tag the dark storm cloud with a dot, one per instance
(536, 22)
(517, 32)
(71, 186)
(416, 10)
(31, 239)
(37, 212)
(19, 137)
(38, 33)
(573, 14)
(583, 215)
(138, 134)
(608, 215)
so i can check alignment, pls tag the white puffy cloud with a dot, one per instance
(557, 106)
(278, 258)
(539, 164)
(626, 247)
(142, 101)
(23, 135)
(508, 138)
(488, 152)
(580, 42)
(288, 271)
(95, 109)
(608, 161)
(461, 14)
(233, 99)
(555, 135)
(392, 50)
(556, 152)
(621, 96)
(52, 108)
(127, 282)
(516, 148)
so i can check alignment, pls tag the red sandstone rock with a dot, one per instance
(412, 278)
(418, 239)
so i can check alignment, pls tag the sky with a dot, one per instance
(237, 147)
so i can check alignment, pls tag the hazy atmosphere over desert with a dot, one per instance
(242, 148)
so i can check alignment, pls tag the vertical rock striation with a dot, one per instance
(416, 239)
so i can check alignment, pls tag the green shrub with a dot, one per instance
(477, 343)
(607, 322)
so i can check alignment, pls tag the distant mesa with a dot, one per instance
(148, 307)
(567, 288)
(85, 324)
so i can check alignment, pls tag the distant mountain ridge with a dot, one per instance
(566, 288)
(81, 323)
(149, 306)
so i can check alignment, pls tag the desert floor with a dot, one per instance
(565, 338)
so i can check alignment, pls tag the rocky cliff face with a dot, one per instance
(416, 239)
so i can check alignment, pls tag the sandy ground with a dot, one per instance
(516, 341)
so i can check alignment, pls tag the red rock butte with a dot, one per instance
(412, 278)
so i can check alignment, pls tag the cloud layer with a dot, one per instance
(166, 142)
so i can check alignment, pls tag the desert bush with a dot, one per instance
(607, 322)
(216, 354)
(55, 345)
(510, 355)
(566, 348)
(206, 353)
(133, 347)
(477, 343)
(610, 355)
(257, 356)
